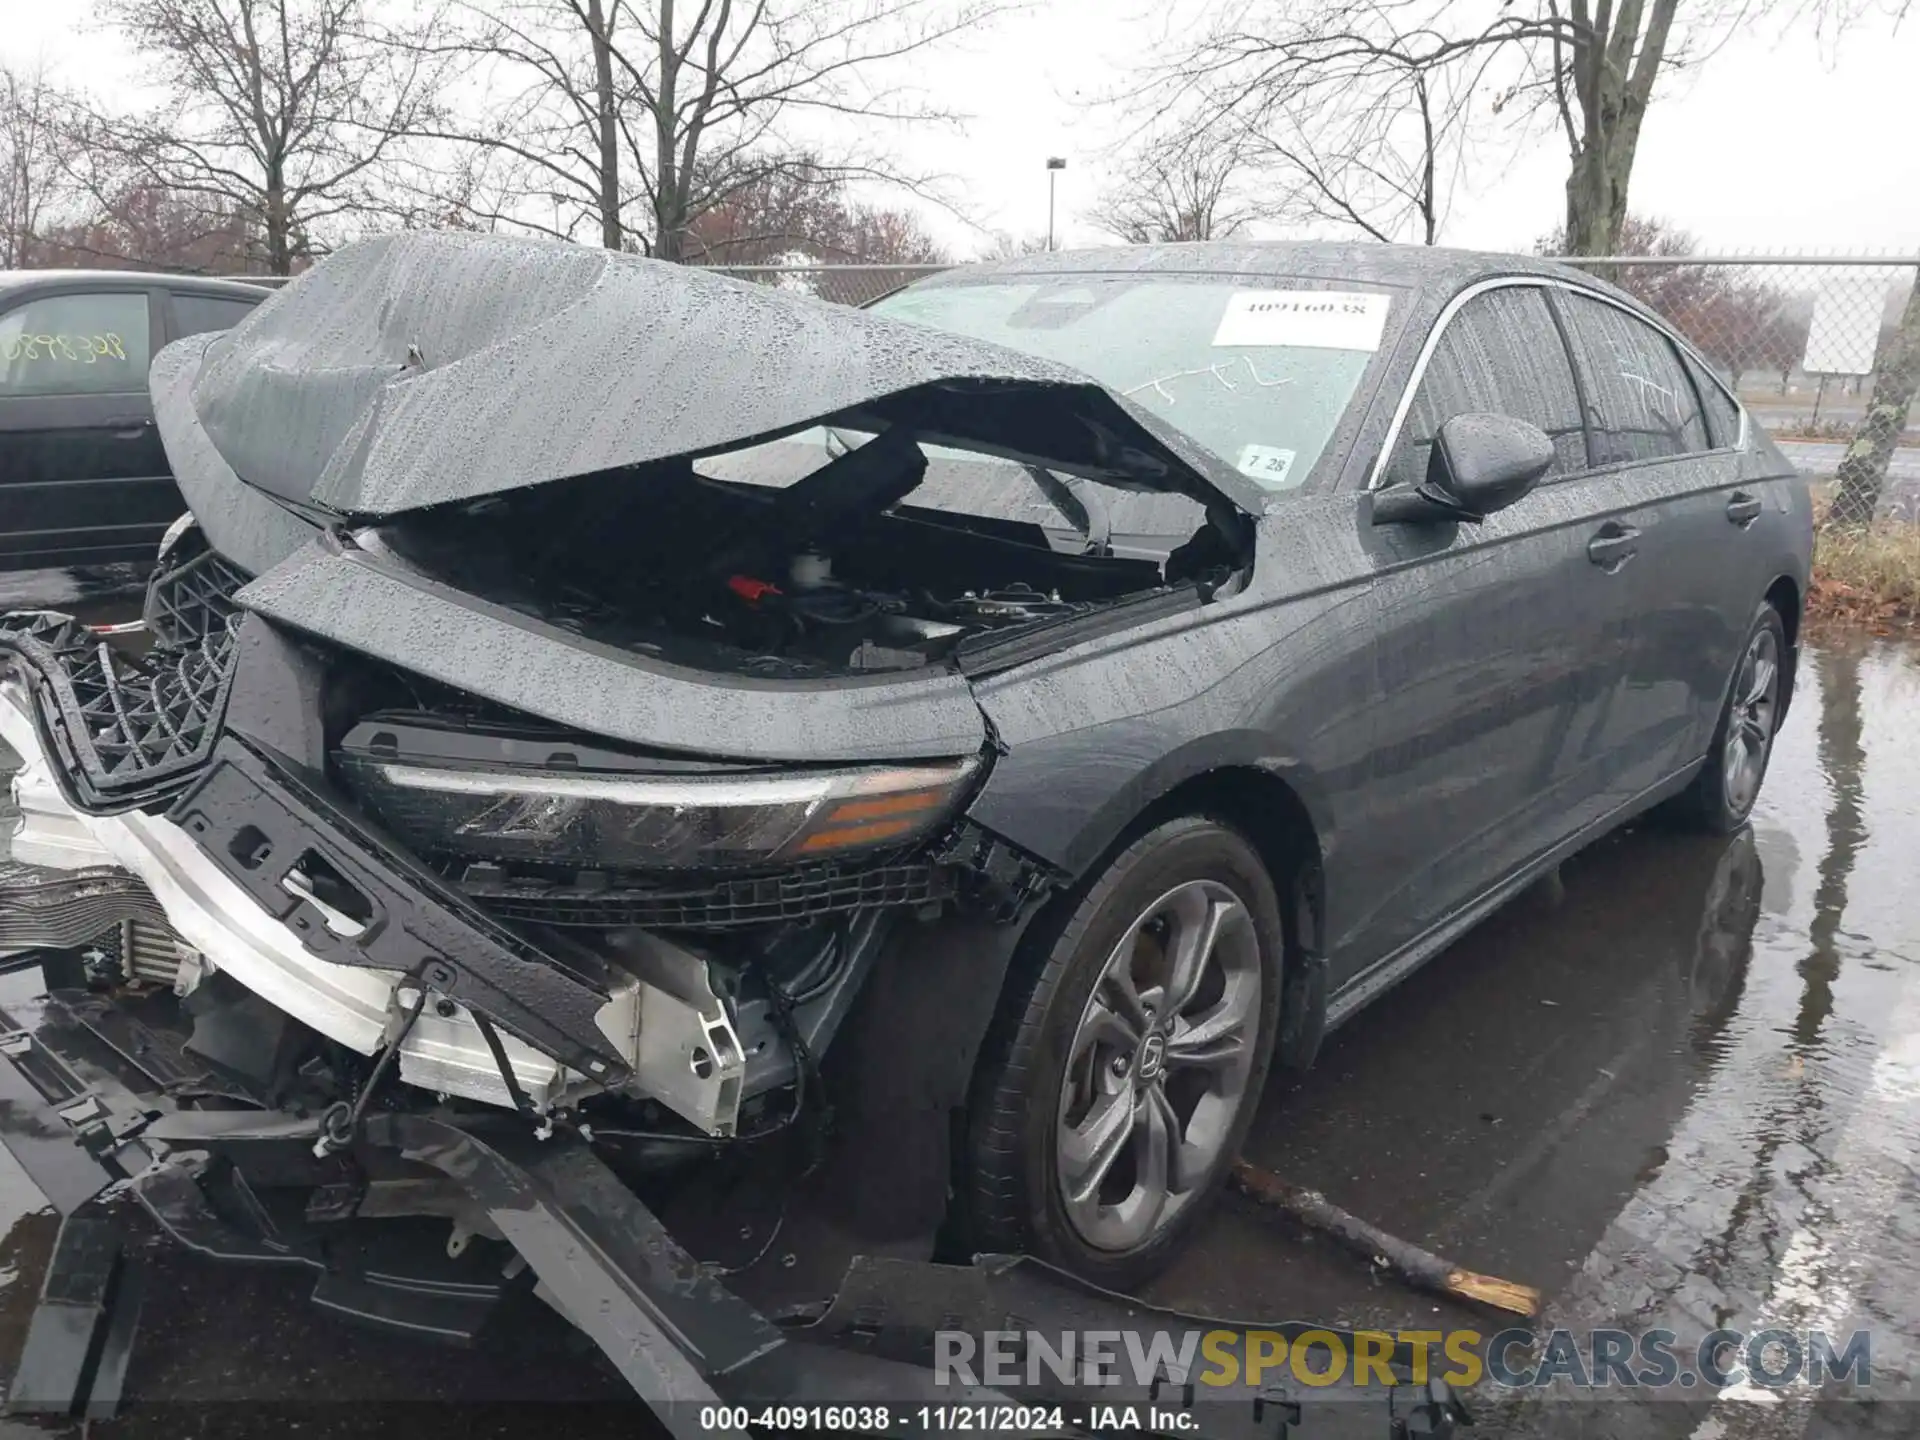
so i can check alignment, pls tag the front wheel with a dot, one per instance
(1127, 1061)
(1722, 795)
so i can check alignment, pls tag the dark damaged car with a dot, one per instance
(629, 761)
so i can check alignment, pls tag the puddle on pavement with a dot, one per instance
(27, 1229)
(1681, 1088)
(76, 591)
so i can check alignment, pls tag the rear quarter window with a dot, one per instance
(1723, 415)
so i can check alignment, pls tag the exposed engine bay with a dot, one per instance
(836, 573)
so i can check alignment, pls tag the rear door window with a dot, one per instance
(1500, 354)
(93, 344)
(197, 314)
(1641, 402)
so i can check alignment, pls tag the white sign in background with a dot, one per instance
(1844, 331)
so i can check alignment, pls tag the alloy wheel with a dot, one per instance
(1750, 721)
(1158, 1066)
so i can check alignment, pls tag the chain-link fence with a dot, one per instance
(1821, 350)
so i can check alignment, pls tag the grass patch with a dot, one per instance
(1867, 577)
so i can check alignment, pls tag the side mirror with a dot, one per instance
(1479, 464)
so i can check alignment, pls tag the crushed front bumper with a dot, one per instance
(79, 1116)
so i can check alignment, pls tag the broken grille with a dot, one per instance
(131, 730)
(192, 597)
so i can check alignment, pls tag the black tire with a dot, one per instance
(1718, 802)
(1013, 1196)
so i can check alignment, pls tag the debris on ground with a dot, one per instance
(1413, 1264)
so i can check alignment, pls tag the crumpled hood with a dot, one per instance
(413, 370)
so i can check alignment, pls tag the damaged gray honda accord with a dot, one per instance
(617, 744)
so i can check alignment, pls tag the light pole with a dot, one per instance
(1054, 163)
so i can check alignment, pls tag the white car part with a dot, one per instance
(691, 1061)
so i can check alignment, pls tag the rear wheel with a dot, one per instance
(1722, 795)
(1128, 1059)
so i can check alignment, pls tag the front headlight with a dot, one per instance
(623, 820)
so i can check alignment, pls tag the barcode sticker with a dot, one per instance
(1321, 319)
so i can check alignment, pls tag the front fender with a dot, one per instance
(1068, 798)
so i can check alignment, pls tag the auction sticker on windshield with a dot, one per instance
(1319, 319)
(1268, 464)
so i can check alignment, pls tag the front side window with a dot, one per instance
(1500, 354)
(75, 345)
(1641, 403)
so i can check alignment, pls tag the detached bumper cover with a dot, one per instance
(77, 1120)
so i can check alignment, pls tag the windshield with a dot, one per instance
(1258, 373)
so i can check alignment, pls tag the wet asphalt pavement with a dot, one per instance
(1679, 1087)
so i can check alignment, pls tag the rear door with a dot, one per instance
(1693, 584)
(83, 478)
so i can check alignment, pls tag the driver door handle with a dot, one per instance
(1613, 545)
(1743, 509)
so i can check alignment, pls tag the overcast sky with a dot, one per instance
(1776, 144)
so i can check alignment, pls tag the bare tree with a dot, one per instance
(141, 227)
(1179, 188)
(1373, 159)
(1862, 473)
(33, 181)
(284, 111)
(640, 116)
(1370, 102)
(1602, 60)
(1006, 245)
(793, 209)
(886, 235)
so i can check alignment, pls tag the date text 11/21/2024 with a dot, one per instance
(978, 1419)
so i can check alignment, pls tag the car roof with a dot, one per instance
(1423, 266)
(16, 280)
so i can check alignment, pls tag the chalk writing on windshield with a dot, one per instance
(1221, 372)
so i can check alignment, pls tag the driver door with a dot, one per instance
(1502, 645)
